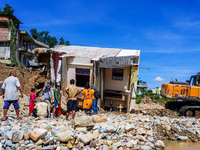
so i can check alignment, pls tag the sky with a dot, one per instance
(167, 32)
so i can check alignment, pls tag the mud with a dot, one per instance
(176, 145)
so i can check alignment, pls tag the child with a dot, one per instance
(32, 102)
(56, 101)
(87, 97)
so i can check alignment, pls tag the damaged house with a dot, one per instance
(25, 44)
(113, 72)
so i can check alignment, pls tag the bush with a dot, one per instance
(138, 99)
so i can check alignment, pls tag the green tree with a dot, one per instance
(52, 42)
(62, 41)
(7, 10)
(34, 33)
(67, 43)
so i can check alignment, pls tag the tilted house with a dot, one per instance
(113, 72)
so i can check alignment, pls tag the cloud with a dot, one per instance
(158, 79)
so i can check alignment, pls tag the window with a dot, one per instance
(117, 74)
(192, 81)
(82, 77)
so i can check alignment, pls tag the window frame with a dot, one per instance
(80, 74)
(119, 72)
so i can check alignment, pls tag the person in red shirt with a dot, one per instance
(32, 102)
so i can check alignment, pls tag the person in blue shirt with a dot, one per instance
(47, 95)
(97, 95)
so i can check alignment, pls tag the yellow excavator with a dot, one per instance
(186, 93)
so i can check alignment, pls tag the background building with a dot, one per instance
(25, 44)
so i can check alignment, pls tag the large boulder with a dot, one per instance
(37, 134)
(84, 121)
(99, 119)
(86, 138)
(64, 136)
(110, 129)
(160, 144)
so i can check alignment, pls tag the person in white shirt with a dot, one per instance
(10, 95)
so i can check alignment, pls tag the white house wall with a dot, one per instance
(74, 63)
(80, 61)
(116, 84)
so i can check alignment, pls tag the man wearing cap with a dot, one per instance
(72, 91)
(47, 95)
(10, 95)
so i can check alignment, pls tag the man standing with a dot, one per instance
(10, 95)
(57, 101)
(72, 92)
(47, 95)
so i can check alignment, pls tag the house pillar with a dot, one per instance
(102, 77)
(133, 88)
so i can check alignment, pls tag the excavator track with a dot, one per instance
(190, 111)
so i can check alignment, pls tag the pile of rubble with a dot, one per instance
(103, 131)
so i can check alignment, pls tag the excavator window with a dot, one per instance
(192, 81)
(198, 80)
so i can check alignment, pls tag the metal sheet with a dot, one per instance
(113, 62)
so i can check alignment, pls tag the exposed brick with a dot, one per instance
(4, 18)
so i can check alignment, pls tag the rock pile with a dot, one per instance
(103, 131)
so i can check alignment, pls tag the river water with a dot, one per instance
(176, 145)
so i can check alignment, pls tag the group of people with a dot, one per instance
(45, 97)
(11, 86)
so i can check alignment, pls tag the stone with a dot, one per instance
(17, 136)
(110, 129)
(140, 137)
(131, 143)
(141, 131)
(84, 121)
(146, 148)
(109, 142)
(54, 132)
(37, 134)
(46, 142)
(168, 127)
(104, 147)
(26, 142)
(39, 142)
(92, 144)
(27, 136)
(8, 143)
(64, 136)
(86, 138)
(9, 134)
(99, 119)
(81, 129)
(176, 135)
(69, 145)
(95, 134)
(31, 146)
(149, 144)
(129, 127)
(150, 138)
(49, 147)
(160, 144)
(182, 138)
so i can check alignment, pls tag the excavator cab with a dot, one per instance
(195, 80)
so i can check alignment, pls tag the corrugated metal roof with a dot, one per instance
(94, 52)
(129, 53)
